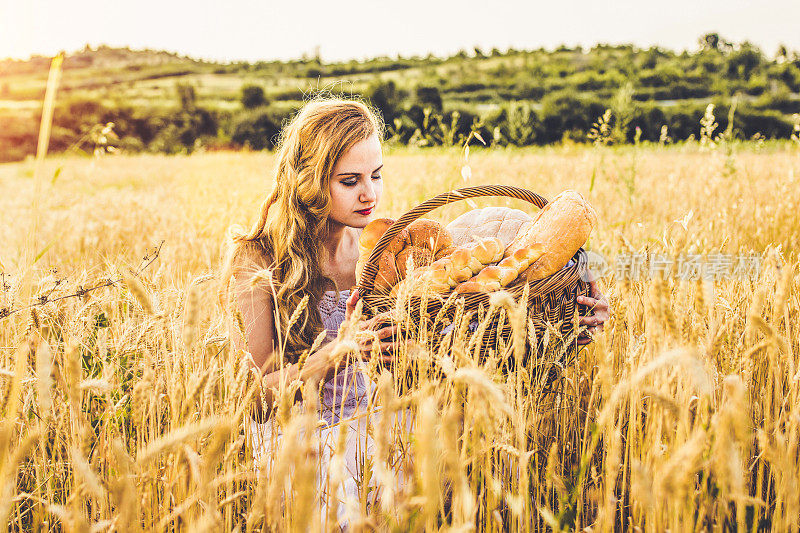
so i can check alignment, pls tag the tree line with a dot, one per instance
(517, 98)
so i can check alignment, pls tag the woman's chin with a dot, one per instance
(361, 221)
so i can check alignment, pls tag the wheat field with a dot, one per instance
(124, 408)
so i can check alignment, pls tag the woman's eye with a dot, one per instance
(351, 183)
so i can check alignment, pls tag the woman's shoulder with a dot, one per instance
(252, 253)
(250, 258)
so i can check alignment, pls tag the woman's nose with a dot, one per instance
(368, 193)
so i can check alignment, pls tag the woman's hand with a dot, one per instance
(599, 304)
(380, 325)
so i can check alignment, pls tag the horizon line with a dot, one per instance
(302, 56)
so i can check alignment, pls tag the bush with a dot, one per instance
(564, 112)
(257, 129)
(386, 98)
(253, 96)
(428, 97)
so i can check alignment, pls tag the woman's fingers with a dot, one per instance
(351, 303)
(385, 332)
(386, 351)
(381, 319)
(591, 320)
(598, 304)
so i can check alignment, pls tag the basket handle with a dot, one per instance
(367, 282)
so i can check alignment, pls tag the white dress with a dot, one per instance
(343, 404)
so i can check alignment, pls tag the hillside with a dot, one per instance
(161, 101)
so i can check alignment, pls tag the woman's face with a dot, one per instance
(356, 183)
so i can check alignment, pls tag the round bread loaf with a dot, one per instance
(493, 221)
(419, 244)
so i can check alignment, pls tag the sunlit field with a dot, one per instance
(124, 407)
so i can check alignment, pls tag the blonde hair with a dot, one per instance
(292, 223)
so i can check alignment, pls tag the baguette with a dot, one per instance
(561, 227)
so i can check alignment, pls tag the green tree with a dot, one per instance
(710, 41)
(427, 96)
(743, 62)
(253, 96)
(187, 96)
(258, 129)
(386, 97)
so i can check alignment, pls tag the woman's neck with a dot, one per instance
(334, 239)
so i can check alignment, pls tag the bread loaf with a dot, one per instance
(492, 221)
(561, 227)
(388, 274)
(419, 244)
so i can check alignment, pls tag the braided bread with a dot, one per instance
(494, 277)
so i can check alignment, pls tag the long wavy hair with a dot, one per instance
(286, 240)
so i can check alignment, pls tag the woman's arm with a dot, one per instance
(255, 303)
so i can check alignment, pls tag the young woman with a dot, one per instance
(328, 185)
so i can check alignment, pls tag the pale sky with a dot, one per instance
(260, 29)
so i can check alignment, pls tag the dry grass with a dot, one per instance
(126, 410)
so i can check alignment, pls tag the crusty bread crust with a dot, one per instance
(561, 227)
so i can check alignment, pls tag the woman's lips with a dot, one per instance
(365, 211)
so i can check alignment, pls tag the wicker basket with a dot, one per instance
(551, 300)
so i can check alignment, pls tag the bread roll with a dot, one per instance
(468, 260)
(447, 272)
(458, 268)
(521, 259)
(372, 233)
(426, 233)
(495, 277)
(388, 274)
(561, 227)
